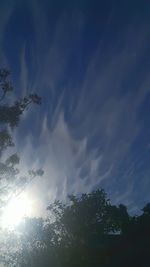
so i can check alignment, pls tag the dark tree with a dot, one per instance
(87, 231)
(74, 234)
(85, 218)
(10, 113)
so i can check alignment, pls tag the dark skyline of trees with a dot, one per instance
(87, 231)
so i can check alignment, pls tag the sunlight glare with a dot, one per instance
(16, 210)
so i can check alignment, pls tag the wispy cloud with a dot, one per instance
(86, 130)
(23, 73)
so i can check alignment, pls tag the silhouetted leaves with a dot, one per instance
(5, 140)
(86, 231)
(5, 84)
(10, 182)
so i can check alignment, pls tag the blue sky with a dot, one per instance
(90, 62)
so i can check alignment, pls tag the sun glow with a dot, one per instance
(16, 210)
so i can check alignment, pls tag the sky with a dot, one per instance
(90, 63)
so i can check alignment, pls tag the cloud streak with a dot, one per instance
(84, 135)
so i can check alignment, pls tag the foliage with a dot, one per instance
(87, 231)
(10, 182)
(85, 217)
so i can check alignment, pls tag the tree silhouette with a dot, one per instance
(74, 234)
(87, 231)
(85, 218)
(10, 181)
